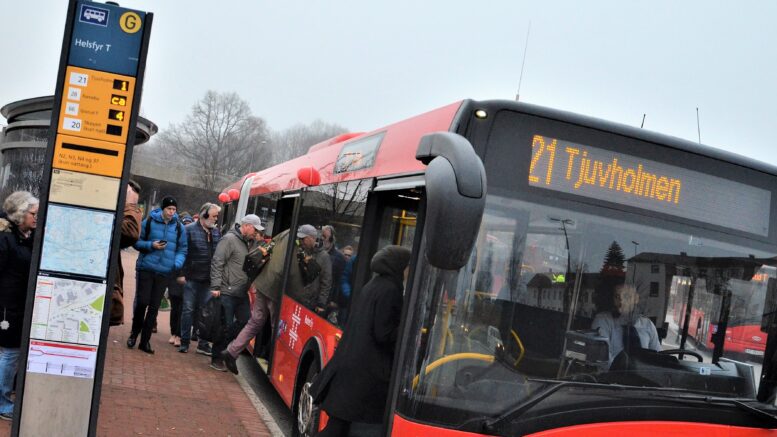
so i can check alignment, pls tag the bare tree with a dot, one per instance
(220, 138)
(296, 140)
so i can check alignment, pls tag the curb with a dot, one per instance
(269, 421)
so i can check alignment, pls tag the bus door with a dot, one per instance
(392, 211)
(318, 280)
(276, 211)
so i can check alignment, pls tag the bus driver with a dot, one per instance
(619, 322)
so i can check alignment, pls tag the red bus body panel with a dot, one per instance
(296, 326)
(743, 339)
(406, 428)
(395, 156)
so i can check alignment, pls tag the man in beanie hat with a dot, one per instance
(162, 253)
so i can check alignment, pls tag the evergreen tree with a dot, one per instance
(614, 261)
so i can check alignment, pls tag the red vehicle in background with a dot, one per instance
(511, 211)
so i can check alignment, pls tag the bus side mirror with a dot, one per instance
(455, 198)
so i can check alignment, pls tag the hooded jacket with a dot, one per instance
(164, 261)
(354, 385)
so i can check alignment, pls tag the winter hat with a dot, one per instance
(169, 201)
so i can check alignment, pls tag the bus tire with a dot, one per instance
(307, 415)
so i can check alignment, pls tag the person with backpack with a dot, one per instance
(162, 253)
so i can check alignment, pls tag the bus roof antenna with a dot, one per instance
(523, 62)
(643, 121)
(698, 126)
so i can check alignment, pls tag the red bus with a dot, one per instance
(496, 332)
(747, 286)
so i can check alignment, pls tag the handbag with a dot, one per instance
(254, 262)
(210, 322)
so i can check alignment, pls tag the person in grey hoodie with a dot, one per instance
(229, 282)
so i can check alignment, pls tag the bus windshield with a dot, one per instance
(553, 294)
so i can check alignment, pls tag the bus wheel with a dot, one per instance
(308, 414)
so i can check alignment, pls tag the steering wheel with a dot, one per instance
(682, 352)
(451, 358)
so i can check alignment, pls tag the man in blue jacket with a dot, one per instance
(162, 252)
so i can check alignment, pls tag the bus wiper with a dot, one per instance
(518, 409)
(741, 403)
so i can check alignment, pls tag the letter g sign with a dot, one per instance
(130, 22)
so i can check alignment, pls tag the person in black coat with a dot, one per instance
(16, 235)
(353, 387)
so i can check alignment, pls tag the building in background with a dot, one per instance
(23, 148)
(23, 143)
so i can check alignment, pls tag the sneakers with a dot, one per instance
(230, 362)
(6, 416)
(218, 365)
(205, 349)
(184, 348)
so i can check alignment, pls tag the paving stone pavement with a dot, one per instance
(168, 393)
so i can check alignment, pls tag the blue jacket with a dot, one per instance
(200, 252)
(167, 260)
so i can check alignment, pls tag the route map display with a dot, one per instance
(61, 359)
(77, 241)
(68, 310)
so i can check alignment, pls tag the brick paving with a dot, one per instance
(168, 393)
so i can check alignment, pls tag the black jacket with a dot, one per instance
(15, 257)
(354, 385)
(199, 252)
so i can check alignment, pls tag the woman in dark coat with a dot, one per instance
(353, 387)
(16, 236)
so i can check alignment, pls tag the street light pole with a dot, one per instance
(634, 263)
(564, 223)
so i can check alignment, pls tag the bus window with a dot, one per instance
(397, 227)
(265, 207)
(336, 211)
(535, 284)
(228, 217)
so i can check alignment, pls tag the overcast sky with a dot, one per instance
(365, 64)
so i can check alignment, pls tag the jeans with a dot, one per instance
(9, 358)
(236, 313)
(195, 295)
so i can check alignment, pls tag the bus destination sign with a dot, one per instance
(628, 180)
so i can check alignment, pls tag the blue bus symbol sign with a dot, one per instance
(93, 15)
